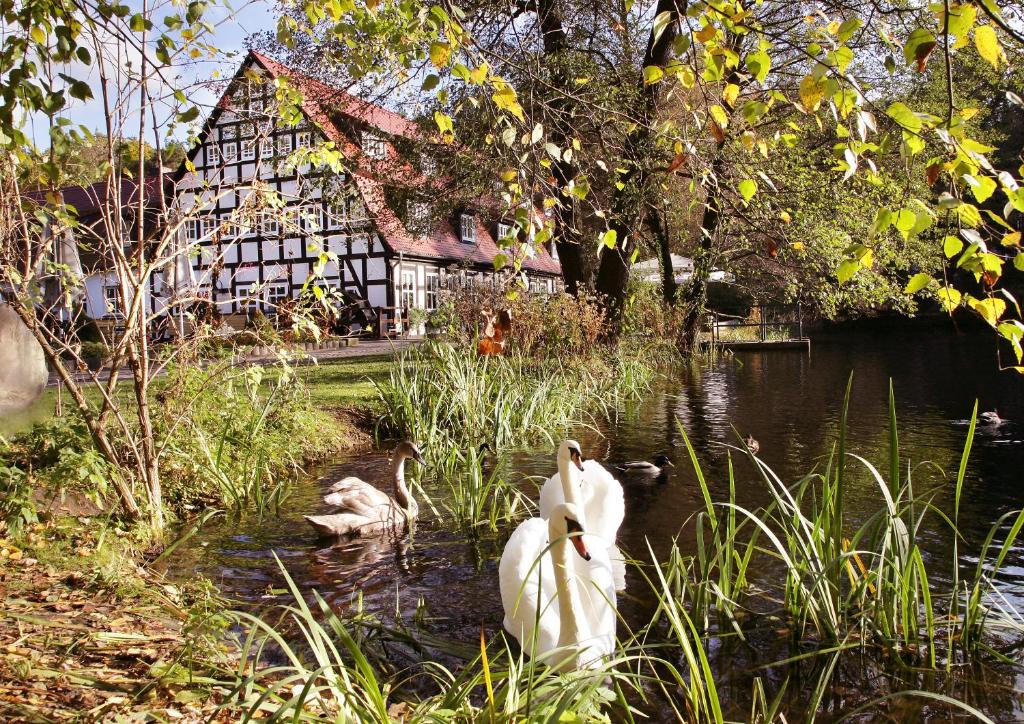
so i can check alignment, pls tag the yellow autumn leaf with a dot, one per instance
(988, 44)
(706, 33)
(730, 94)
(1012, 239)
(798, 244)
(811, 93)
(989, 309)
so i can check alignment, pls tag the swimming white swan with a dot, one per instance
(596, 494)
(367, 511)
(559, 612)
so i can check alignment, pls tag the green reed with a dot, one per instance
(448, 397)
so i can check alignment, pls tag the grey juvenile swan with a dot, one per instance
(366, 511)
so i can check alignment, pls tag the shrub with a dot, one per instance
(555, 325)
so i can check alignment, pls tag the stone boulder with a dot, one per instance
(23, 372)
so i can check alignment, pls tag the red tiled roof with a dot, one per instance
(319, 100)
(89, 200)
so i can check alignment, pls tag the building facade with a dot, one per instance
(365, 225)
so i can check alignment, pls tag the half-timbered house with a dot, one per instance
(347, 223)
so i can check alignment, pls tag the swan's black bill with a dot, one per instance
(576, 536)
(577, 457)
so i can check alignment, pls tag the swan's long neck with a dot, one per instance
(570, 477)
(401, 493)
(569, 629)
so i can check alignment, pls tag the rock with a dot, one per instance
(23, 372)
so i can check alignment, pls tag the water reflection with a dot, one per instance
(788, 401)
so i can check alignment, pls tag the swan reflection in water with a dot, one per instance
(366, 565)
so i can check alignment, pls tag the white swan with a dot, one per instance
(561, 613)
(367, 511)
(597, 495)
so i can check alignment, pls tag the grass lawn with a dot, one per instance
(346, 382)
(334, 383)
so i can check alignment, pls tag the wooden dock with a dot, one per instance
(803, 344)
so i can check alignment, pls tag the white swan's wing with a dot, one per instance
(604, 504)
(596, 581)
(551, 495)
(530, 613)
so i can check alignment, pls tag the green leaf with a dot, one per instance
(753, 111)
(430, 82)
(847, 269)
(951, 246)
(848, 28)
(747, 189)
(610, 238)
(962, 19)
(981, 186)
(919, 46)
(905, 221)
(759, 64)
(988, 44)
(949, 297)
(1018, 262)
(444, 122)
(189, 114)
(653, 73)
(918, 282)
(440, 54)
(904, 116)
(883, 220)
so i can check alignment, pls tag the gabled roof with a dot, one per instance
(320, 103)
(89, 200)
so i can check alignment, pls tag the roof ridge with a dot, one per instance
(400, 125)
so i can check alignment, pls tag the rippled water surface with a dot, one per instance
(788, 401)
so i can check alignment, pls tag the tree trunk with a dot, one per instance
(659, 228)
(568, 233)
(613, 272)
(695, 294)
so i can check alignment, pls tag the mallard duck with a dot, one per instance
(642, 468)
(753, 445)
(367, 511)
(990, 419)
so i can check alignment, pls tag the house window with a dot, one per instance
(504, 230)
(428, 164)
(374, 146)
(277, 292)
(112, 299)
(302, 140)
(247, 301)
(209, 226)
(407, 292)
(284, 145)
(270, 226)
(248, 150)
(311, 220)
(230, 152)
(212, 154)
(433, 284)
(418, 213)
(554, 251)
(467, 228)
(192, 229)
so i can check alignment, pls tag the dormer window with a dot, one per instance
(504, 230)
(467, 228)
(418, 213)
(374, 146)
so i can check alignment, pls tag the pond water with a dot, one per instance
(790, 402)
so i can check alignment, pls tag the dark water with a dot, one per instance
(788, 401)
